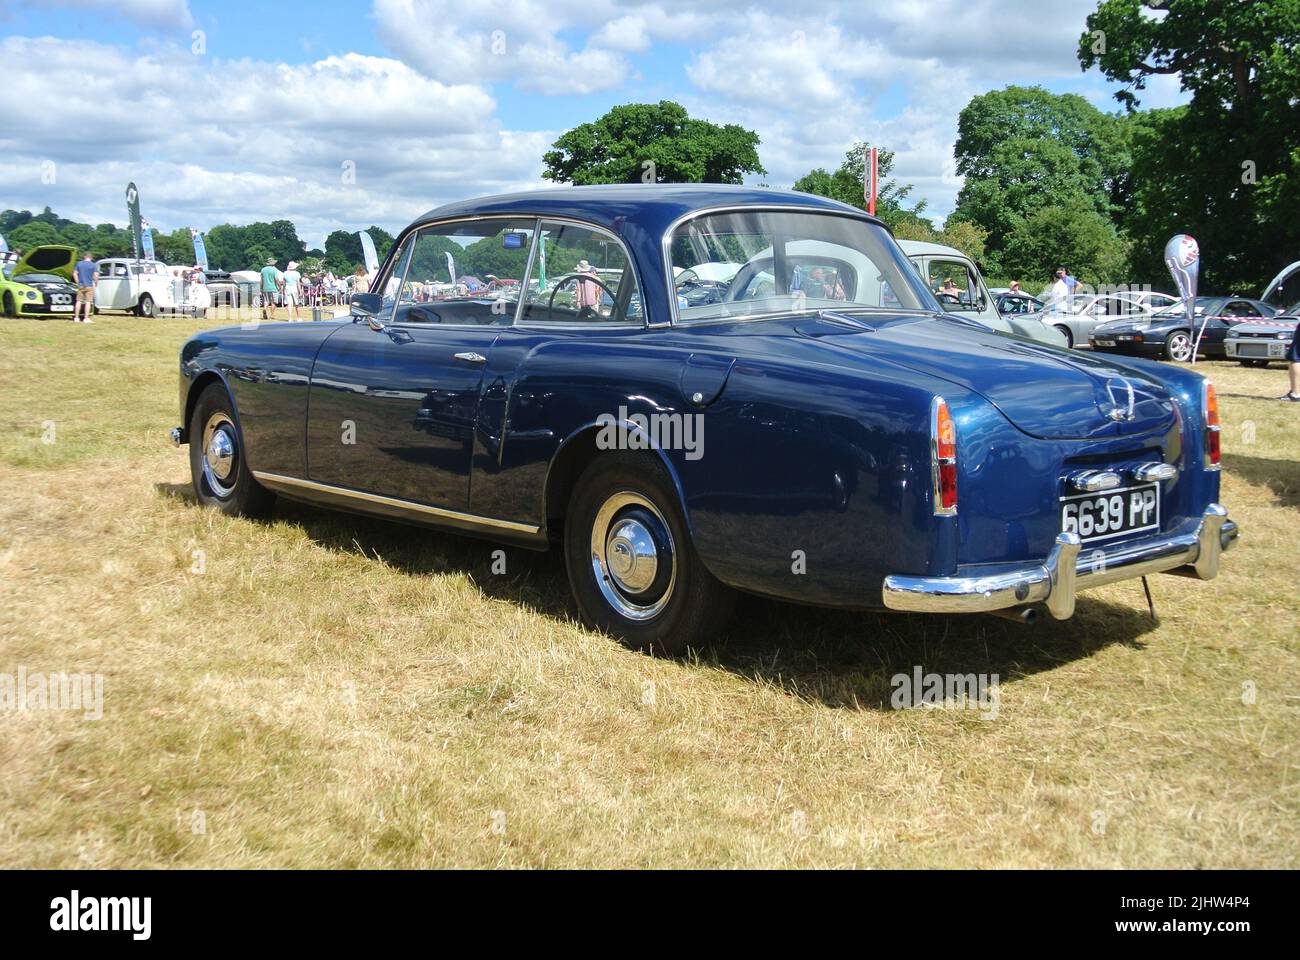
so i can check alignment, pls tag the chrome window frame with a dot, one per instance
(530, 263)
(428, 224)
(573, 325)
(667, 265)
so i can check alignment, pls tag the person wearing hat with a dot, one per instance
(292, 289)
(588, 290)
(272, 280)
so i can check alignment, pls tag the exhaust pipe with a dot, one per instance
(1025, 616)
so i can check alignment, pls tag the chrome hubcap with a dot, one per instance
(220, 451)
(1180, 347)
(632, 556)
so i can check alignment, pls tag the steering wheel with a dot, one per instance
(584, 312)
(948, 298)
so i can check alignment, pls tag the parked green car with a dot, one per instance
(40, 284)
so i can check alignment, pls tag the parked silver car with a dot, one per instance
(1076, 317)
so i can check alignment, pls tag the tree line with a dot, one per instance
(229, 247)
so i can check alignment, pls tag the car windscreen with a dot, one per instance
(1180, 308)
(792, 261)
(38, 278)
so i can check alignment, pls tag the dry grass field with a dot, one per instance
(329, 691)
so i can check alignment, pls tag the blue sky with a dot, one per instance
(435, 100)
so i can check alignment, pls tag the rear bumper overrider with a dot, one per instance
(1055, 581)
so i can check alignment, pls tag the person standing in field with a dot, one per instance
(1293, 364)
(272, 279)
(85, 274)
(292, 289)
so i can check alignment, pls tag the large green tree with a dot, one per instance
(652, 143)
(1225, 167)
(1025, 150)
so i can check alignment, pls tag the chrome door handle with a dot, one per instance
(471, 357)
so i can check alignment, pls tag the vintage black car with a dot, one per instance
(1168, 336)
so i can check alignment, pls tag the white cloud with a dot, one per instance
(155, 14)
(497, 40)
(211, 141)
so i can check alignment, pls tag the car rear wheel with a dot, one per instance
(631, 564)
(218, 466)
(1065, 332)
(1253, 363)
(1178, 346)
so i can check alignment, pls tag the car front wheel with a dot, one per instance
(1178, 346)
(631, 564)
(146, 308)
(218, 466)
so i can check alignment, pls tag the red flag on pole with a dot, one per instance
(869, 173)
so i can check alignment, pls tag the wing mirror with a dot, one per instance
(366, 307)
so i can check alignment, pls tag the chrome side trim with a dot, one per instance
(1057, 580)
(410, 506)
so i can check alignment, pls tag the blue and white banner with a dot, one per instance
(146, 242)
(451, 265)
(368, 249)
(200, 250)
(4, 247)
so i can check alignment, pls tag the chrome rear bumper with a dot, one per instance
(1054, 582)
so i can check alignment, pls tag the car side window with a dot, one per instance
(465, 273)
(580, 275)
(1240, 308)
(952, 278)
(393, 280)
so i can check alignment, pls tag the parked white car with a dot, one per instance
(146, 288)
(937, 263)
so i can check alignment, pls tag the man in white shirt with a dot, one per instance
(1060, 291)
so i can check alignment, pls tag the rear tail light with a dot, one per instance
(1210, 408)
(943, 458)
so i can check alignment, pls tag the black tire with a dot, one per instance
(682, 605)
(1065, 331)
(146, 307)
(1179, 346)
(226, 485)
(1253, 363)
(9, 309)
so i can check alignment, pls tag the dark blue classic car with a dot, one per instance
(798, 418)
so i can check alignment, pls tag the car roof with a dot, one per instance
(913, 247)
(652, 207)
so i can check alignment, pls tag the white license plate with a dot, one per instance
(61, 306)
(1115, 513)
(1104, 343)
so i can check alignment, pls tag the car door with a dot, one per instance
(393, 405)
(112, 288)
